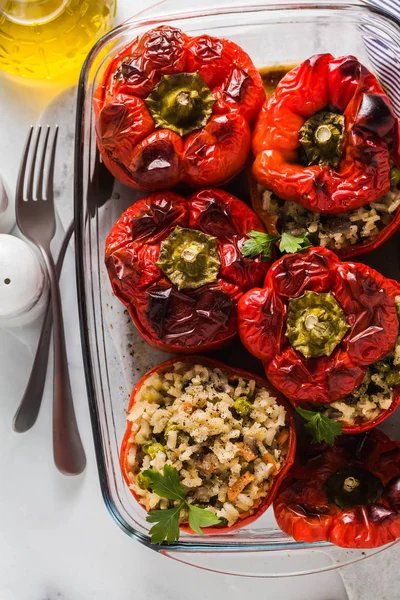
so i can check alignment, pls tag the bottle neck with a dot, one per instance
(30, 12)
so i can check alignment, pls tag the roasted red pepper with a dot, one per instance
(127, 443)
(347, 494)
(176, 264)
(327, 137)
(321, 326)
(176, 108)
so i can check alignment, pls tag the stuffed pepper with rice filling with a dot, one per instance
(326, 147)
(347, 494)
(173, 108)
(176, 264)
(327, 333)
(224, 437)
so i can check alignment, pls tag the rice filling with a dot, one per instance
(226, 436)
(333, 231)
(374, 395)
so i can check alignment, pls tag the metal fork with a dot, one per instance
(28, 409)
(36, 220)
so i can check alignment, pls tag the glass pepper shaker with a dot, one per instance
(23, 283)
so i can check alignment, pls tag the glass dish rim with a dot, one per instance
(143, 20)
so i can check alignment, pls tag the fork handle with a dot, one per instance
(69, 455)
(28, 410)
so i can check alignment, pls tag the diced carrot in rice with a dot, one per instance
(246, 452)
(239, 485)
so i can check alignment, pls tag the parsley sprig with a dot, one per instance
(259, 243)
(262, 243)
(294, 243)
(322, 428)
(166, 527)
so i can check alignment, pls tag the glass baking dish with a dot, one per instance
(114, 354)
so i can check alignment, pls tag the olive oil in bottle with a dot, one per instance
(50, 39)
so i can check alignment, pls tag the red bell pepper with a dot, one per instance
(127, 444)
(176, 264)
(321, 327)
(176, 108)
(347, 494)
(327, 137)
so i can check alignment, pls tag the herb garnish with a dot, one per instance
(167, 485)
(322, 428)
(259, 243)
(294, 243)
(262, 243)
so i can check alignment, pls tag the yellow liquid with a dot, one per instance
(50, 39)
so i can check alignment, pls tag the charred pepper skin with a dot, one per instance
(362, 173)
(347, 494)
(370, 322)
(250, 516)
(173, 108)
(176, 264)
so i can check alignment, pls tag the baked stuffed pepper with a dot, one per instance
(327, 333)
(222, 439)
(176, 108)
(176, 264)
(326, 147)
(347, 494)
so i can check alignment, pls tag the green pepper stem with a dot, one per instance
(316, 324)
(189, 258)
(310, 322)
(353, 486)
(322, 138)
(350, 484)
(190, 253)
(181, 102)
(323, 135)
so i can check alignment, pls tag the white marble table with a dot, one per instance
(57, 540)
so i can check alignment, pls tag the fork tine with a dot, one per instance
(31, 177)
(50, 175)
(39, 186)
(22, 169)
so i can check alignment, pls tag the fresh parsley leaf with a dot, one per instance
(201, 517)
(167, 485)
(167, 524)
(394, 177)
(259, 243)
(294, 243)
(322, 428)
